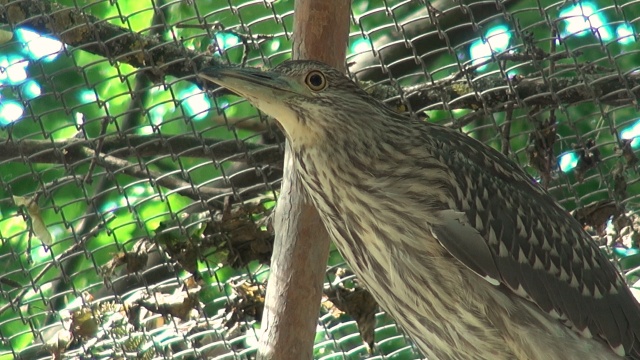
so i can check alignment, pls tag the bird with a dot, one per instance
(469, 255)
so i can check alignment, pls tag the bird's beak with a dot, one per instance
(266, 90)
(250, 83)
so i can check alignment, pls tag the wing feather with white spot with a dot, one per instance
(504, 227)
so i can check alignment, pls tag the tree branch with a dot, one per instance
(301, 246)
(82, 30)
(521, 92)
(73, 150)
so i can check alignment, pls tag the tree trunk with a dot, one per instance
(301, 250)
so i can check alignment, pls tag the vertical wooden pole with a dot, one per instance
(294, 290)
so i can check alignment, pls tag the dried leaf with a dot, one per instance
(356, 302)
(135, 260)
(249, 304)
(58, 343)
(5, 36)
(588, 158)
(83, 323)
(37, 224)
(181, 305)
(596, 214)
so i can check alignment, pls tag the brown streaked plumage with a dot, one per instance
(455, 241)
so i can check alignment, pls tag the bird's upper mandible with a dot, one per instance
(354, 154)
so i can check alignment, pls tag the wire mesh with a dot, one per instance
(135, 210)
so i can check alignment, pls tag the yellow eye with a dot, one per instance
(316, 81)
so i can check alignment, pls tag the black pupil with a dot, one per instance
(315, 80)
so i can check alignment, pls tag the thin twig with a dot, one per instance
(506, 130)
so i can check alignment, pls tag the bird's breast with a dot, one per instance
(382, 230)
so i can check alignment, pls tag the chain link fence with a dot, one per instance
(135, 209)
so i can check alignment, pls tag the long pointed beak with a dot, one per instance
(250, 83)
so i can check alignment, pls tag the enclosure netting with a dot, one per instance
(135, 209)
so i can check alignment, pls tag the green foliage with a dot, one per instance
(86, 96)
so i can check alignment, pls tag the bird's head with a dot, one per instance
(312, 101)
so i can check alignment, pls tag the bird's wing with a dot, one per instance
(508, 230)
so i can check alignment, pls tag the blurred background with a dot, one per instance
(135, 203)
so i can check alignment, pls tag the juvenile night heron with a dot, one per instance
(453, 240)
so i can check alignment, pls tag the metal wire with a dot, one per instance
(156, 198)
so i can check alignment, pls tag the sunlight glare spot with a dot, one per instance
(226, 40)
(632, 132)
(39, 47)
(10, 112)
(196, 103)
(496, 40)
(568, 161)
(360, 46)
(88, 96)
(624, 33)
(581, 18)
(13, 69)
(30, 89)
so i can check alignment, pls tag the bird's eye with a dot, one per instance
(315, 80)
